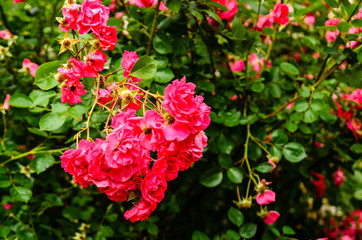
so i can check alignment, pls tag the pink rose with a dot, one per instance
(338, 177)
(264, 21)
(92, 14)
(189, 113)
(19, 1)
(71, 16)
(6, 104)
(94, 64)
(147, 3)
(237, 66)
(153, 187)
(232, 7)
(265, 197)
(271, 217)
(72, 92)
(107, 36)
(141, 211)
(5, 34)
(128, 61)
(31, 67)
(74, 161)
(7, 206)
(280, 13)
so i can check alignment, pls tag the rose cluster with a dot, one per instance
(349, 108)
(121, 165)
(90, 16)
(350, 228)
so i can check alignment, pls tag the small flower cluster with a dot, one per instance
(278, 15)
(349, 107)
(121, 165)
(331, 35)
(348, 229)
(229, 15)
(90, 16)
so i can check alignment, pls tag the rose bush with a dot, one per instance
(212, 119)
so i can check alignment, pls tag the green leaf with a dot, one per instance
(225, 160)
(230, 119)
(51, 121)
(236, 216)
(289, 69)
(357, 147)
(4, 231)
(358, 194)
(41, 163)
(4, 179)
(225, 144)
(294, 152)
(288, 230)
(152, 229)
(37, 131)
(248, 230)
(332, 3)
(41, 98)
(113, 21)
(257, 87)
(317, 104)
(164, 75)
(20, 101)
(301, 105)
(279, 137)
(357, 23)
(211, 178)
(162, 44)
(232, 235)
(215, 17)
(174, 5)
(264, 167)
(199, 236)
(291, 126)
(276, 152)
(21, 194)
(44, 75)
(343, 26)
(310, 116)
(238, 30)
(275, 90)
(144, 68)
(235, 175)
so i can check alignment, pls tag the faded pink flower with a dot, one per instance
(237, 66)
(355, 126)
(31, 67)
(5, 34)
(280, 13)
(338, 177)
(271, 217)
(332, 34)
(229, 15)
(7, 206)
(265, 197)
(264, 21)
(19, 1)
(147, 4)
(309, 19)
(6, 104)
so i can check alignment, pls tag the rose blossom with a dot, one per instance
(6, 104)
(94, 64)
(72, 92)
(92, 14)
(338, 177)
(153, 187)
(147, 3)
(141, 211)
(107, 36)
(271, 217)
(280, 13)
(5, 34)
(265, 197)
(31, 67)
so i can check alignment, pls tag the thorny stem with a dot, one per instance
(80, 50)
(260, 145)
(153, 28)
(109, 74)
(92, 109)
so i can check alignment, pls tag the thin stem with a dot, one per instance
(92, 109)
(257, 16)
(260, 145)
(153, 27)
(4, 136)
(109, 74)
(267, 57)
